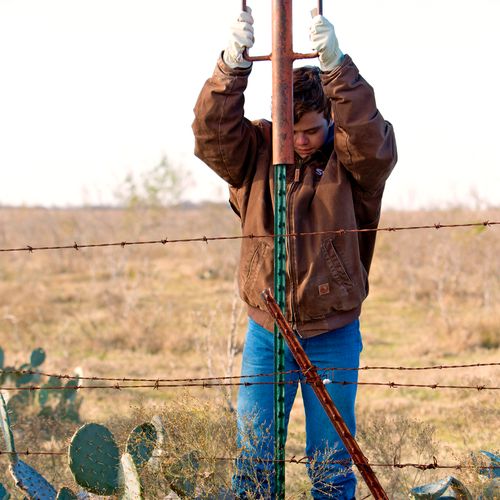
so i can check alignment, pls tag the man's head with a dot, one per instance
(311, 111)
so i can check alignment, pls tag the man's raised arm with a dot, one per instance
(364, 141)
(224, 139)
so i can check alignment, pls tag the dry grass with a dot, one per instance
(167, 311)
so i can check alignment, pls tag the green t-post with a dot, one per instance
(279, 343)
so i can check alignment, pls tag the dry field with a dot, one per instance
(157, 311)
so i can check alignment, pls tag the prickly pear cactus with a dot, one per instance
(37, 357)
(4, 495)
(69, 391)
(182, 475)
(2, 358)
(60, 404)
(494, 462)
(27, 478)
(155, 460)
(66, 494)
(141, 443)
(23, 378)
(31, 482)
(129, 479)
(6, 431)
(45, 393)
(16, 376)
(449, 487)
(492, 490)
(94, 459)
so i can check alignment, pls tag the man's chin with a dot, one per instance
(304, 154)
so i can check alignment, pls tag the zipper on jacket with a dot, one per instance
(290, 247)
(297, 175)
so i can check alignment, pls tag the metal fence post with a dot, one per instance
(283, 155)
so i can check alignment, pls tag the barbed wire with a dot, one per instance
(294, 460)
(209, 384)
(207, 239)
(233, 377)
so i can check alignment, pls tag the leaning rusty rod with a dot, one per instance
(294, 55)
(318, 387)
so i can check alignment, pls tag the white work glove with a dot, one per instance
(240, 38)
(324, 41)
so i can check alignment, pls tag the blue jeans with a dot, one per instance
(338, 348)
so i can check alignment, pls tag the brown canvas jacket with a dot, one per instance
(338, 187)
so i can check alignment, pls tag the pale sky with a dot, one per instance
(91, 90)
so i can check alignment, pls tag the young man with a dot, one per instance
(344, 152)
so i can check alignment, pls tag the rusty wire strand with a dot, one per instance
(232, 377)
(294, 460)
(206, 239)
(210, 384)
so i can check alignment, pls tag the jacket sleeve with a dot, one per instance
(364, 141)
(224, 139)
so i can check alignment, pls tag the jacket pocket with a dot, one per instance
(335, 266)
(346, 294)
(254, 277)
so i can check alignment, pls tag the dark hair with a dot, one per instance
(308, 93)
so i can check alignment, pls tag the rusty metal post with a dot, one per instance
(312, 377)
(282, 88)
(283, 155)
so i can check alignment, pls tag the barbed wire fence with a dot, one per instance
(128, 383)
(239, 380)
(207, 239)
(292, 460)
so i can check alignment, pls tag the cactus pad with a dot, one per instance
(494, 462)
(183, 474)
(37, 357)
(431, 491)
(449, 485)
(24, 378)
(492, 491)
(66, 494)
(31, 482)
(69, 392)
(45, 392)
(7, 433)
(130, 484)
(43, 396)
(141, 443)
(4, 495)
(94, 459)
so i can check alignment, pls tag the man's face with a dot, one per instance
(310, 133)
